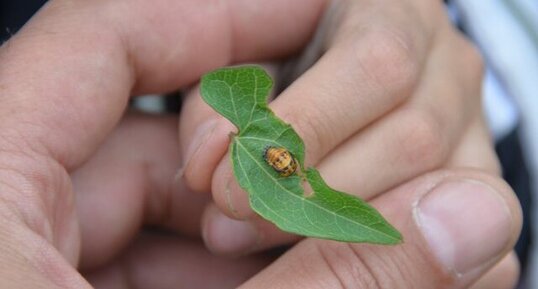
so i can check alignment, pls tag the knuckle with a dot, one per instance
(469, 65)
(386, 56)
(473, 59)
(421, 140)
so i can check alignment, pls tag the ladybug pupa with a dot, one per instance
(281, 160)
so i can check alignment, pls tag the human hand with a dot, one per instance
(395, 95)
(65, 80)
(129, 183)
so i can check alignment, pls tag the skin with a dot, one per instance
(80, 177)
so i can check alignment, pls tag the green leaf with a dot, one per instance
(240, 95)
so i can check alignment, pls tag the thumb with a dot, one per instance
(456, 225)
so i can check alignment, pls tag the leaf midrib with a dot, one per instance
(304, 199)
(255, 98)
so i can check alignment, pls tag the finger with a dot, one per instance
(417, 137)
(365, 73)
(129, 182)
(456, 226)
(169, 262)
(230, 237)
(503, 276)
(225, 235)
(197, 122)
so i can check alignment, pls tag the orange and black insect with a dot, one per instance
(281, 160)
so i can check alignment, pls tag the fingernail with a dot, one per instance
(466, 224)
(228, 236)
(237, 200)
(201, 135)
(228, 195)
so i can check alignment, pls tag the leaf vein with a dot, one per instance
(305, 200)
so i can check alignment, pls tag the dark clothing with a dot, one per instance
(14, 13)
